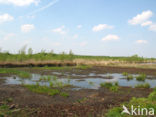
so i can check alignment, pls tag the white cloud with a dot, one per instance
(140, 18)
(9, 36)
(146, 23)
(79, 26)
(59, 30)
(27, 28)
(110, 37)
(101, 27)
(152, 27)
(19, 2)
(141, 41)
(5, 18)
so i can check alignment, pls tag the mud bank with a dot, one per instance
(81, 103)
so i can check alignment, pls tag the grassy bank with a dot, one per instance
(149, 102)
(41, 59)
(28, 55)
(19, 73)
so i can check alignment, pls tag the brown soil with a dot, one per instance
(97, 70)
(37, 64)
(82, 103)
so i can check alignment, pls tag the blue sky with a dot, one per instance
(87, 27)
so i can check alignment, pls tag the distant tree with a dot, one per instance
(135, 56)
(30, 51)
(43, 51)
(71, 53)
(23, 50)
(62, 55)
(52, 52)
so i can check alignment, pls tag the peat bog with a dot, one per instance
(72, 91)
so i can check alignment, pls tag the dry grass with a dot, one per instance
(75, 62)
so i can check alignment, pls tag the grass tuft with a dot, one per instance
(146, 85)
(141, 77)
(125, 74)
(112, 87)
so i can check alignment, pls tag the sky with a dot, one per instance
(87, 27)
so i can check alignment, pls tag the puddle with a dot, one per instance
(89, 82)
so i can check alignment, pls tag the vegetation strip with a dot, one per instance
(19, 73)
(46, 90)
(149, 102)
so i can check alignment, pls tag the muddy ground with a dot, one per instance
(80, 103)
(97, 70)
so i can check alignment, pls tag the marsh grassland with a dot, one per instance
(67, 85)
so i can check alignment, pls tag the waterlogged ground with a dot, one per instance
(86, 97)
(89, 81)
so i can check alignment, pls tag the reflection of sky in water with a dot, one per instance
(91, 83)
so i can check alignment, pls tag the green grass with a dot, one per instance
(125, 74)
(130, 77)
(152, 96)
(146, 85)
(27, 54)
(141, 77)
(106, 84)
(5, 111)
(83, 67)
(64, 94)
(112, 87)
(149, 102)
(19, 73)
(65, 67)
(45, 90)
(55, 68)
(54, 82)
